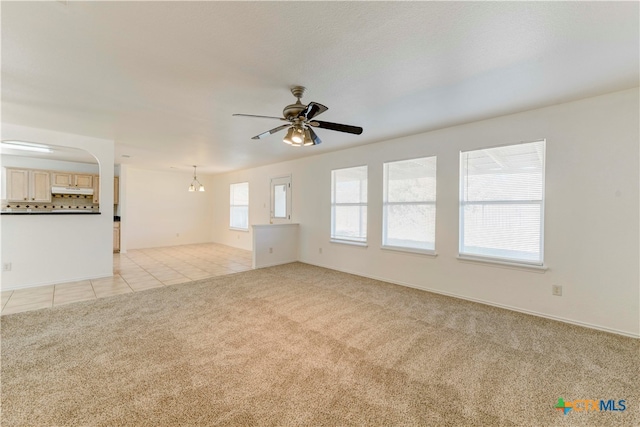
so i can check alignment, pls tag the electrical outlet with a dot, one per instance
(556, 290)
(320, 251)
(270, 250)
(177, 234)
(6, 266)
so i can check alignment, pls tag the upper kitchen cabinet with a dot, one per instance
(96, 189)
(28, 185)
(65, 179)
(116, 190)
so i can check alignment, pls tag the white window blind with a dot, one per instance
(239, 205)
(349, 204)
(409, 204)
(502, 202)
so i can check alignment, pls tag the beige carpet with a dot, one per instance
(301, 345)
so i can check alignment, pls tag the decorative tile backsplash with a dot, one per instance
(58, 201)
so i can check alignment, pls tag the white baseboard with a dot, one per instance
(274, 264)
(481, 301)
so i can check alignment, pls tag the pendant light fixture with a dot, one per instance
(195, 184)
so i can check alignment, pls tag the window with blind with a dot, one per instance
(409, 204)
(502, 203)
(239, 205)
(349, 204)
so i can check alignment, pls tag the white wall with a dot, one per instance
(157, 210)
(274, 244)
(591, 213)
(47, 249)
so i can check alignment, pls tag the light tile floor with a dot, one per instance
(135, 271)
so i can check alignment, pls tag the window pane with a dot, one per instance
(350, 223)
(501, 202)
(280, 201)
(239, 205)
(240, 193)
(350, 185)
(504, 231)
(349, 204)
(240, 216)
(409, 203)
(411, 180)
(410, 226)
(504, 173)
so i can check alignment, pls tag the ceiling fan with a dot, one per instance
(300, 118)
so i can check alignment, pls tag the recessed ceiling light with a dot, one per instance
(26, 146)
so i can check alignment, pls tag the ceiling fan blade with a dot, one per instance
(312, 110)
(336, 126)
(269, 132)
(314, 137)
(261, 117)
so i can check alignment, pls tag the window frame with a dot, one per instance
(345, 240)
(540, 264)
(232, 205)
(386, 203)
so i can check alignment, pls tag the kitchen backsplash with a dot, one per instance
(58, 201)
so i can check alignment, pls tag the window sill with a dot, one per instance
(427, 252)
(239, 229)
(505, 264)
(350, 243)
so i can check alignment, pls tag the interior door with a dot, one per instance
(281, 199)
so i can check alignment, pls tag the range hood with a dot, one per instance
(71, 190)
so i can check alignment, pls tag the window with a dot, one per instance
(349, 204)
(239, 206)
(409, 204)
(502, 202)
(281, 200)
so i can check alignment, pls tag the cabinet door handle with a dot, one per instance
(33, 198)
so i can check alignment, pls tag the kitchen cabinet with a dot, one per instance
(28, 185)
(116, 236)
(83, 180)
(61, 179)
(96, 189)
(116, 190)
(65, 179)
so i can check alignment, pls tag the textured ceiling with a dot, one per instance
(162, 79)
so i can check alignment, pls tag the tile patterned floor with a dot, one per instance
(135, 271)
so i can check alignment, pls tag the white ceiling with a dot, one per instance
(162, 79)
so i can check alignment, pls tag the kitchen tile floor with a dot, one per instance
(135, 271)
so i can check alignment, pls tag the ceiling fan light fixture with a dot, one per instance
(298, 135)
(288, 139)
(307, 138)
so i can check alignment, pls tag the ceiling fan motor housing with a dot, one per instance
(291, 111)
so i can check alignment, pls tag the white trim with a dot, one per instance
(428, 252)
(537, 268)
(271, 265)
(489, 303)
(238, 229)
(349, 242)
